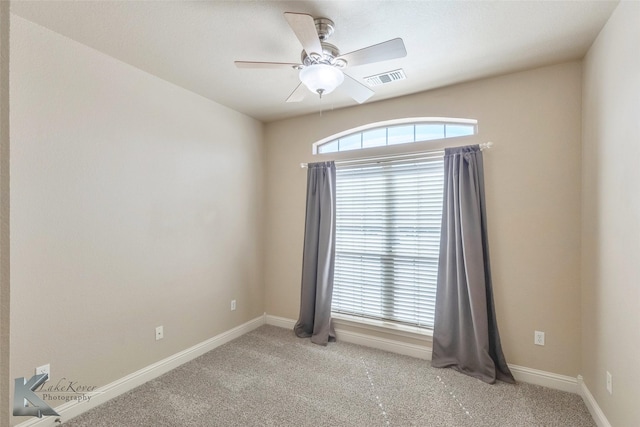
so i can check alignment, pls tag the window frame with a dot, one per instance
(430, 156)
(315, 148)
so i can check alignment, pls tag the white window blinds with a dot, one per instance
(388, 215)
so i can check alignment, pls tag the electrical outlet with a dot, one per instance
(44, 369)
(233, 305)
(538, 338)
(159, 333)
(609, 383)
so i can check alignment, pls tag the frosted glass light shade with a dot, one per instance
(321, 78)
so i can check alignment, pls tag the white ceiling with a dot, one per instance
(193, 43)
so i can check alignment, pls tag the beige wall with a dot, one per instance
(611, 216)
(5, 382)
(533, 198)
(134, 203)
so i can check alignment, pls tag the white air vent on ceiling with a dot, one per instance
(384, 78)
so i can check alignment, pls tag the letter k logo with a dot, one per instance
(23, 395)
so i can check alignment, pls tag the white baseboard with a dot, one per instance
(394, 346)
(521, 373)
(281, 322)
(544, 378)
(592, 405)
(74, 408)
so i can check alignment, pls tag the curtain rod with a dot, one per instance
(483, 146)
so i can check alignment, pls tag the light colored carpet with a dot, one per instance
(269, 377)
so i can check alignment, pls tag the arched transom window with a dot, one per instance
(404, 131)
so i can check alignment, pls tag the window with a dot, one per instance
(388, 217)
(397, 132)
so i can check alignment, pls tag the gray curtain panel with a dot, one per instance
(318, 256)
(465, 333)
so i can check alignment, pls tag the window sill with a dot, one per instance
(382, 326)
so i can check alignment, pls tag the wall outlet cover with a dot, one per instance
(44, 369)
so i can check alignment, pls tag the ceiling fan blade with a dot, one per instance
(305, 29)
(250, 64)
(391, 49)
(355, 89)
(298, 94)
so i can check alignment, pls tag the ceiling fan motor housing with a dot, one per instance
(330, 54)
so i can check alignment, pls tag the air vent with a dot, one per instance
(384, 78)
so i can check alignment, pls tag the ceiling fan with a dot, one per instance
(320, 69)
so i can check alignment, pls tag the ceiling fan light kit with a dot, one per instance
(321, 78)
(322, 64)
